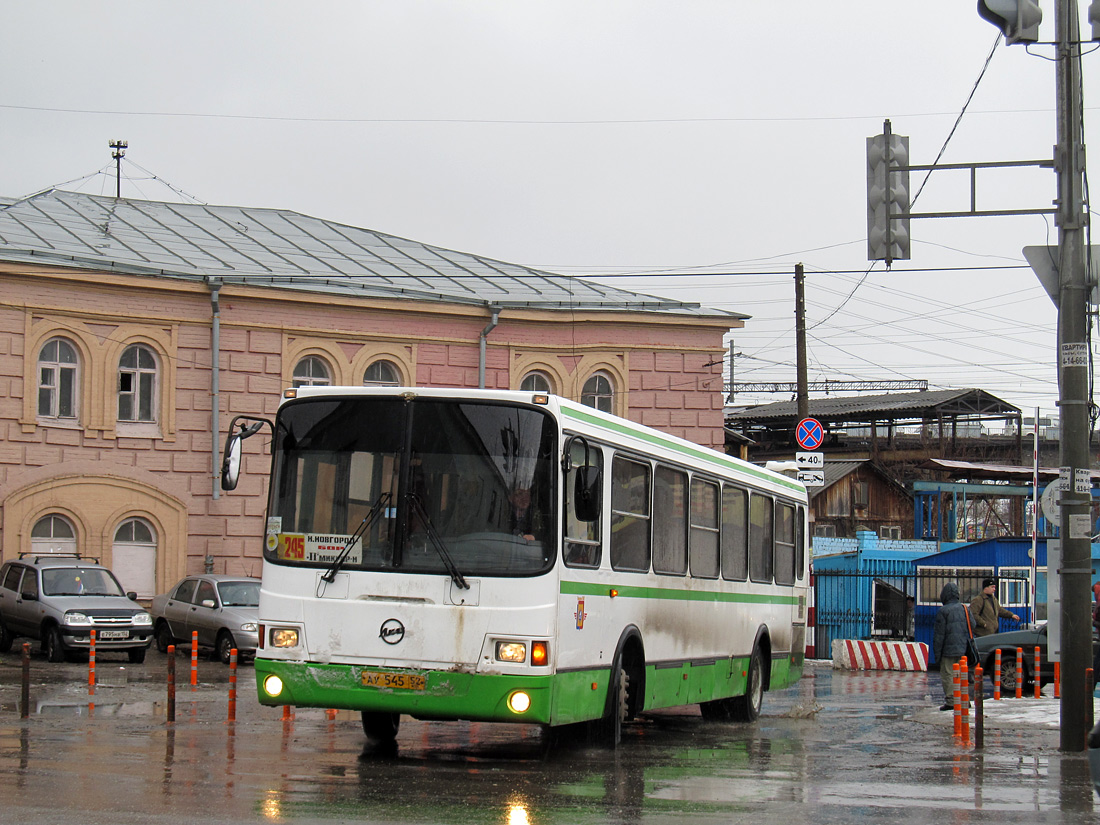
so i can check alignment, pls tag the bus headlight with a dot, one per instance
(519, 702)
(511, 652)
(273, 685)
(284, 637)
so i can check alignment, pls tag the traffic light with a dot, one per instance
(1018, 19)
(887, 197)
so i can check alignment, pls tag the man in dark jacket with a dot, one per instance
(986, 611)
(950, 638)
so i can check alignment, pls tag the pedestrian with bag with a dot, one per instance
(951, 639)
(987, 611)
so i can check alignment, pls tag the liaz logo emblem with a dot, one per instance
(580, 615)
(391, 632)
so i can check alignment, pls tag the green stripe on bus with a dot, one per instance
(575, 588)
(699, 453)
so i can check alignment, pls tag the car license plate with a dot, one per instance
(112, 634)
(395, 681)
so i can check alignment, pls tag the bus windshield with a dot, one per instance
(425, 485)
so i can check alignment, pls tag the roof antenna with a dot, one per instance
(119, 147)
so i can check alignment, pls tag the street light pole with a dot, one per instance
(1073, 384)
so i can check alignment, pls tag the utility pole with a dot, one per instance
(803, 394)
(118, 151)
(1073, 385)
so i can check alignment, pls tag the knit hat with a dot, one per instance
(988, 582)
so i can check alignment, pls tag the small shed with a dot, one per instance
(860, 495)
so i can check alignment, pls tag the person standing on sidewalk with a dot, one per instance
(987, 611)
(950, 639)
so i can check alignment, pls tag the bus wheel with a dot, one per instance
(608, 730)
(747, 708)
(379, 726)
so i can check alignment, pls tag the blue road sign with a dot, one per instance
(809, 434)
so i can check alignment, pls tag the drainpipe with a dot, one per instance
(481, 346)
(215, 285)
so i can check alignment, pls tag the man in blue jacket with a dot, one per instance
(950, 638)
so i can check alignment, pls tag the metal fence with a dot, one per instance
(896, 606)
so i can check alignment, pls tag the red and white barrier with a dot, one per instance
(854, 654)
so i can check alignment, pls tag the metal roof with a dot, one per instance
(288, 250)
(915, 406)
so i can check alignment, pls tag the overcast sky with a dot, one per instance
(721, 141)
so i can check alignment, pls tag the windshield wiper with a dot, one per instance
(441, 548)
(376, 508)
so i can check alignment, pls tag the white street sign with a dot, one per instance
(810, 461)
(812, 478)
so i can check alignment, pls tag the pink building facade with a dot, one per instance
(112, 414)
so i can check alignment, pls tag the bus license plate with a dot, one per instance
(396, 681)
(113, 634)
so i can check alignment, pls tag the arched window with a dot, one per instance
(382, 374)
(53, 534)
(312, 371)
(134, 557)
(598, 392)
(58, 376)
(536, 382)
(137, 384)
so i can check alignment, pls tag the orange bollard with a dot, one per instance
(958, 699)
(1057, 680)
(25, 691)
(964, 689)
(194, 659)
(330, 714)
(979, 709)
(233, 685)
(1019, 673)
(1037, 671)
(997, 675)
(91, 663)
(287, 715)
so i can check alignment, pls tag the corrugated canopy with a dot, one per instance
(898, 408)
(288, 250)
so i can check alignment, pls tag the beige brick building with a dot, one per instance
(113, 312)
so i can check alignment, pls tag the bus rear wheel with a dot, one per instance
(747, 708)
(379, 726)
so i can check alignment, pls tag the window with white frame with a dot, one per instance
(134, 557)
(58, 380)
(598, 392)
(312, 371)
(53, 534)
(137, 384)
(382, 373)
(535, 382)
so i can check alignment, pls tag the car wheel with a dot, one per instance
(224, 646)
(6, 639)
(164, 637)
(51, 644)
(136, 655)
(747, 708)
(1008, 675)
(380, 726)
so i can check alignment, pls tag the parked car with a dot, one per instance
(1026, 638)
(59, 598)
(223, 609)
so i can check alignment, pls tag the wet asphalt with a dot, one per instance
(840, 747)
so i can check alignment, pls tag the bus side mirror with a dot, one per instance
(587, 496)
(231, 462)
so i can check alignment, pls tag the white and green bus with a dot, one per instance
(516, 557)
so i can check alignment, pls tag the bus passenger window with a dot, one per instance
(735, 533)
(761, 538)
(703, 537)
(629, 515)
(582, 546)
(670, 521)
(784, 544)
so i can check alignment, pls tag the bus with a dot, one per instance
(485, 555)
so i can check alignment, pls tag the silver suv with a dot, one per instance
(60, 598)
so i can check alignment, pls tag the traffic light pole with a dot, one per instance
(1073, 386)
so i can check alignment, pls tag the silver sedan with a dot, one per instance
(222, 609)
